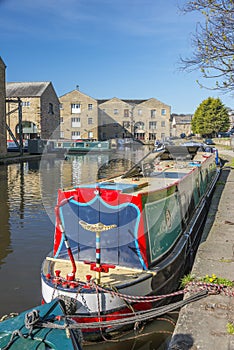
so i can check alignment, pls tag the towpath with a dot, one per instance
(203, 324)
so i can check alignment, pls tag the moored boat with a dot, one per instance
(13, 147)
(82, 146)
(42, 327)
(123, 243)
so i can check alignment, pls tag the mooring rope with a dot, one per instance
(138, 299)
(30, 320)
(139, 316)
(212, 288)
(195, 290)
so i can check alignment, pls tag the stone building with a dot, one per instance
(78, 116)
(145, 120)
(181, 124)
(86, 117)
(3, 143)
(39, 104)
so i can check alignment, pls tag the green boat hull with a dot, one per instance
(15, 334)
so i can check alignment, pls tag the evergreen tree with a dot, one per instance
(210, 118)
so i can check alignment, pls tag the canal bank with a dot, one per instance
(12, 158)
(204, 324)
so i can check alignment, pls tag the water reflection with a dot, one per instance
(154, 335)
(26, 235)
(28, 196)
(4, 216)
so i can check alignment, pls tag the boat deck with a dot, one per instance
(113, 277)
(162, 174)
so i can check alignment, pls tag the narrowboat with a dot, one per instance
(13, 147)
(122, 243)
(43, 327)
(82, 146)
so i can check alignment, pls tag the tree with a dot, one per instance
(213, 43)
(210, 117)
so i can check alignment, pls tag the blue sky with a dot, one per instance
(128, 49)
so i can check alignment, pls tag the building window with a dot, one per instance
(153, 113)
(116, 111)
(75, 135)
(25, 103)
(61, 134)
(163, 124)
(75, 122)
(90, 121)
(51, 108)
(61, 106)
(152, 125)
(126, 113)
(90, 106)
(163, 111)
(61, 119)
(152, 136)
(75, 108)
(139, 111)
(162, 136)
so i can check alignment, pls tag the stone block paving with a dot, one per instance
(202, 325)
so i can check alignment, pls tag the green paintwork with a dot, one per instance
(163, 220)
(42, 338)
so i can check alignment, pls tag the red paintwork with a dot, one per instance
(117, 315)
(113, 198)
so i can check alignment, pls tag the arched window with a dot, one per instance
(139, 126)
(29, 130)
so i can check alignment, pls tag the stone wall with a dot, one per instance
(82, 123)
(50, 114)
(145, 120)
(43, 111)
(3, 144)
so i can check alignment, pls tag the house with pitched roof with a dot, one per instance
(181, 124)
(37, 104)
(78, 115)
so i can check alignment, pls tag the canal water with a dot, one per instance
(28, 196)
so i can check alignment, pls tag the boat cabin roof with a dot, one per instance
(158, 170)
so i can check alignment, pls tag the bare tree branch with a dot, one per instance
(213, 43)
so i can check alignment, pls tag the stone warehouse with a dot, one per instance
(76, 115)
(85, 117)
(39, 106)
